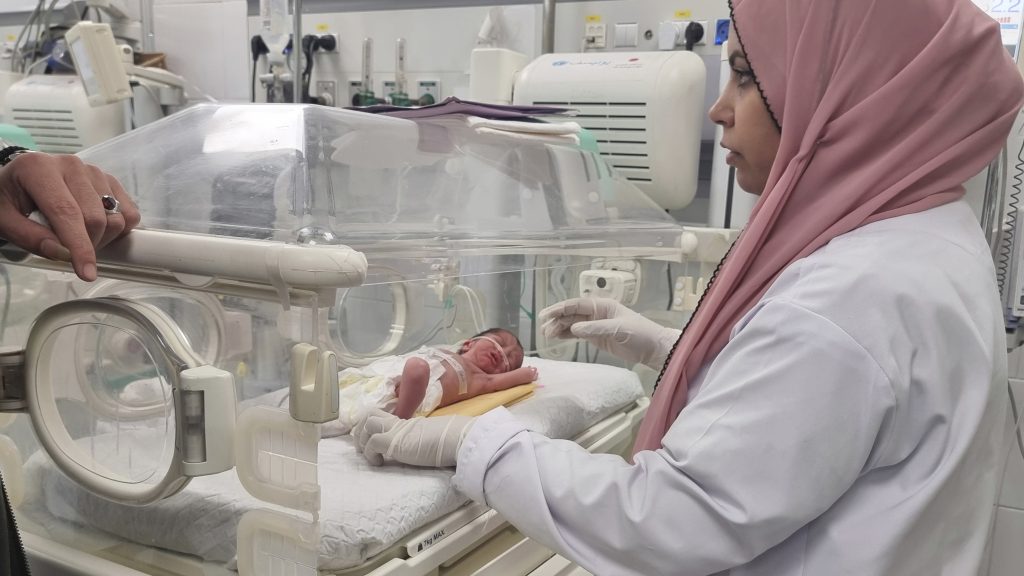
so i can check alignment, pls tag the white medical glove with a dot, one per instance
(384, 437)
(611, 327)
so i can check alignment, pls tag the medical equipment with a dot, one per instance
(401, 519)
(98, 62)
(644, 109)
(41, 40)
(55, 110)
(281, 77)
(364, 96)
(492, 74)
(109, 75)
(492, 66)
(617, 279)
(283, 243)
(65, 114)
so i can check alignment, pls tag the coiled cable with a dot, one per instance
(1006, 246)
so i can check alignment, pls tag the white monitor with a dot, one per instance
(98, 62)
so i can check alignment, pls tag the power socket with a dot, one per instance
(707, 32)
(595, 35)
(431, 88)
(355, 87)
(721, 31)
(329, 42)
(327, 89)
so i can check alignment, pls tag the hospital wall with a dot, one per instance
(439, 42)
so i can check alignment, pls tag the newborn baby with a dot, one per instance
(416, 384)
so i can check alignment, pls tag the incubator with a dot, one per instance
(167, 417)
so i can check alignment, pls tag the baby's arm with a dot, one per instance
(505, 380)
(412, 388)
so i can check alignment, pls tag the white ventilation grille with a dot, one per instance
(621, 132)
(53, 130)
(646, 110)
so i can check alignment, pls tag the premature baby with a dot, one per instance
(416, 384)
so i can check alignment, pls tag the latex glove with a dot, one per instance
(67, 193)
(611, 327)
(384, 437)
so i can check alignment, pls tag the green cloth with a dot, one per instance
(18, 136)
(588, 142)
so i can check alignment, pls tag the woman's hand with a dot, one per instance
(611, 327)
(68, 193)
(384, 437)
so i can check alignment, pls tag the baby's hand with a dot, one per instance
(533, 373)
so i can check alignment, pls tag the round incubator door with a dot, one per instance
(199, 315)
(368, 322)
(120, 401)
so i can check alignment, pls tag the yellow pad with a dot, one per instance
(485, 402)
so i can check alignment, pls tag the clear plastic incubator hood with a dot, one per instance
(280, 244)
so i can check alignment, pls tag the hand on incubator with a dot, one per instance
(85, 207)
(611, 327)
(384, 437)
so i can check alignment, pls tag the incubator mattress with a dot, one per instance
(364, 510)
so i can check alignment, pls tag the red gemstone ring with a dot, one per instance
(110, 204)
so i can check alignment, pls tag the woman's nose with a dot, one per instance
(720, 113)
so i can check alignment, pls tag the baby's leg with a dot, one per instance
(412, 388)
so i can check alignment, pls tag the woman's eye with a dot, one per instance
(743, 77)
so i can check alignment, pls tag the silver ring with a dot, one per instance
(110, 204)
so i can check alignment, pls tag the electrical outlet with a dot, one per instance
(388, 88)
(595, 35)
(329, 42)
(707, 32)
(721, 32)
(355, 87)
(431, 88)
(328, 90)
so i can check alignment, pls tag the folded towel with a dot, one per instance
(565, 139)
(485, 402)
(545, 128)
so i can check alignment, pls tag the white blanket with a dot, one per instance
(364, 510)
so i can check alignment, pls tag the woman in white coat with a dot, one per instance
(837, 403)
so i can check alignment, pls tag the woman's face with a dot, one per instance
(749, 133)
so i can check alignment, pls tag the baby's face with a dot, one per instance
(494, 353)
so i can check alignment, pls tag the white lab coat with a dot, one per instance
(853, 425)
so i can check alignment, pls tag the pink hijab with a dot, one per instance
(886, 106)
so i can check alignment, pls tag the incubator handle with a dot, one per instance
(207, 411)
(203, 258)
(259, 261)
(313, 396)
